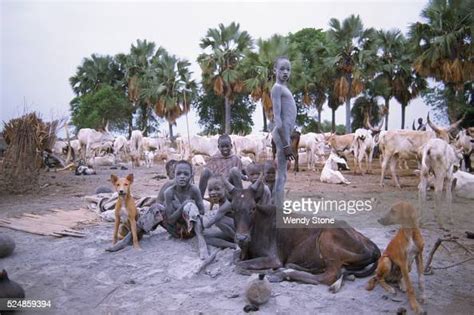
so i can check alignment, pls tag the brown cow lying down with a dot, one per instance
(307, 255)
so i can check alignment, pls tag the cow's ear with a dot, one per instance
(130, 178)
(267, 209)
(113, 178)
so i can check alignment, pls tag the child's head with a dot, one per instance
(169, 166)
(216, 188)
(253, 171)
(282, 69)
(183, 173)
(224, 144)
(269, 172)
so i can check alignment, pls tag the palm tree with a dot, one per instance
(258, 67)
(443, 45)
(406, 87)
(389, 45)
(350, 39)
(167, 86)
(135, 65)
(94, 72)
(220, 66)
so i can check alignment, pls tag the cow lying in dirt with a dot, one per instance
(307, 255)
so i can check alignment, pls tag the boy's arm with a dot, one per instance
(198, 199)
(276, 101)
(172, 214)
(221, 212)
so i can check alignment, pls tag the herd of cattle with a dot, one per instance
(438, 151)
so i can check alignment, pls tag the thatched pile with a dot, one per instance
(26, 137)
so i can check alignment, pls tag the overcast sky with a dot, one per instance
(42, 43)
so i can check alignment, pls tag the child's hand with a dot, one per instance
(288, 153)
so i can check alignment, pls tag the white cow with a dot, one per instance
(198, 160)
(463, 184)
(136, 147)
(121, 148)
(330, 174)
(149, 158)
(250, 144)
(363, 146)
(202, 145)
(94, 142)
(314, 145)
(439, 159)
(401, 144)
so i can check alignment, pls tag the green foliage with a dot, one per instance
(362, 105)
(95, 109)
(326, 126)
(210, 109)
(440, 96)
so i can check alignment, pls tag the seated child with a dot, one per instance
(223, 163)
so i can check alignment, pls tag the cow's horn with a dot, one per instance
(228, 186)
(433, 126)
(107, 126)
(413, 126)
(257, 183)
(455, 125)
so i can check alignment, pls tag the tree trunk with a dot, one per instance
(387, 105)
(143, 116)
(320, 109)
(130, 126)
(171, 131)
(404, 106)
(333, 125)
(348, 106)
(227, 115)
(265, 128)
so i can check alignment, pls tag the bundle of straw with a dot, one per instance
(26, 137)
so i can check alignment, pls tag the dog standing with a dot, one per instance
(125, 209)
(407, 245)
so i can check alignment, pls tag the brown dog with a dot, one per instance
(395, 263)
(125, 209)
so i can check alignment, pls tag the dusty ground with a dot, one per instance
(78, 276)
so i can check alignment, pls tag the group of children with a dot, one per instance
(180, 207)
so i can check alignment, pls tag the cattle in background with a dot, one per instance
(201, 145)
(463, 184)
(439, 159)
(94, 143)
(313, 144)
(341, 145)
(330, 173)
(465, 142)
(198, 160)
(121, 149)
(363, 147)
(401, 144)
(136, 147)
(447, 134)
(250, 144)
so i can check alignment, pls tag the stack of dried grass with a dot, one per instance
(26, 137)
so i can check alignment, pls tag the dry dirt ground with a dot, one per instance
(78, 276)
